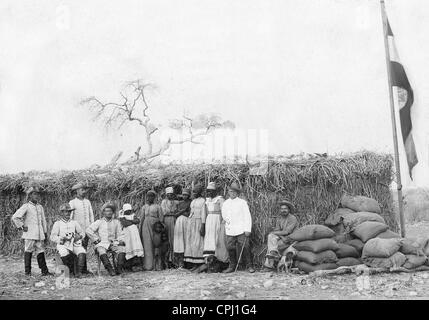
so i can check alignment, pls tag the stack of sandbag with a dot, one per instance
(315, 248)
(354, 210)
(414, 253)
(347, 255)
(383, 253)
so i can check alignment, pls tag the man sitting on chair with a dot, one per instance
(68, 235)
(278, 241)
(105, 234)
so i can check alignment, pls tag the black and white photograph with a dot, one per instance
(214, 154)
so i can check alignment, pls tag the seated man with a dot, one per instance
(105, 234)
(68, 235)
(278, 241)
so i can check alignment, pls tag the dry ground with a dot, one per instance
(175, 284)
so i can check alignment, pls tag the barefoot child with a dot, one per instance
(68, 235)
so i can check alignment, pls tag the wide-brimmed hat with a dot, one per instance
(234, 186)
(66, 207)
(32, 189)
(78, 185)
(211, 186)
(169, 190)
(108, 205)
(186, 191)
(283, 202)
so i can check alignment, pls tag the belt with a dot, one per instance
(214, 212)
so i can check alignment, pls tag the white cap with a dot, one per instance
(127, 207)
(169, 190)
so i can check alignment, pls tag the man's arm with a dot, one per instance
(91, 213)
(247, 223)
(91, 231)
(55, 233)
(19, 215)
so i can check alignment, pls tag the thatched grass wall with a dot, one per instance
(315, 185)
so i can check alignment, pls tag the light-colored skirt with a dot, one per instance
(133, 244)
(194, 243)
(180, 234)
(221, 251)
(212, 231)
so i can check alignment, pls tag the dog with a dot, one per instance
(286, 261)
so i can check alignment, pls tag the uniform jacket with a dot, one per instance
(32, 216)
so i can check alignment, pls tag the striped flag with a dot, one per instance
(399, 79)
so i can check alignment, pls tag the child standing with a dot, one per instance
(130, 235)
(30, 218)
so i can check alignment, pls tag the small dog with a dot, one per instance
(286, 261)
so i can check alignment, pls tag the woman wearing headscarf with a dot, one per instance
(150, 214)
(195, 229)
(169, 209)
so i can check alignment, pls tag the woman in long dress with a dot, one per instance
(169, 210)
(195, 230)
(150, 213)
(183, 211)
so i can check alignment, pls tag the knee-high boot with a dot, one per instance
(81, 262)
(107, 265)
(42, 264)
(27, 263)
(68, 262)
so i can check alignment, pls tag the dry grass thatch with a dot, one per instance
(314, 184)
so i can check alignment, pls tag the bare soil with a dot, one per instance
(182, 284)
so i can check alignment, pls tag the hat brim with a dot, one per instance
(69, 210)
(234, 189)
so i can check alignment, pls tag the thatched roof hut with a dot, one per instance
(314, 184)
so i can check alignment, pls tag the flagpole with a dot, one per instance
(392, 111)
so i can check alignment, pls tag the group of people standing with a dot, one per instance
(186, 230)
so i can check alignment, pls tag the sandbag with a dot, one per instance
(306, 267)
(327, 256)
(343, 237)
(312, 232)
(360, 203)
(368, 230)
(338, 229)
(335, 217)
(316, 245)
(353, 219)
(348, 262)
(346, 251)
(381, 248)
(424, 244)
(396, 260)
(388, 234)
(411, 247)
(357, 244)
(414, 261)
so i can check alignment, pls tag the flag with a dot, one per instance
(399, 79)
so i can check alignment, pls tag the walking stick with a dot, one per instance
(239, 258)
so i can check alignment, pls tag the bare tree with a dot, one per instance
(134, 107)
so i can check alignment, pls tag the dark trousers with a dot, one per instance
(234, 244)
(85, 241)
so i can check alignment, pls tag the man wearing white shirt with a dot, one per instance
(82, 214)
(238, 226)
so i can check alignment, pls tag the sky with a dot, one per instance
(308, 75)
